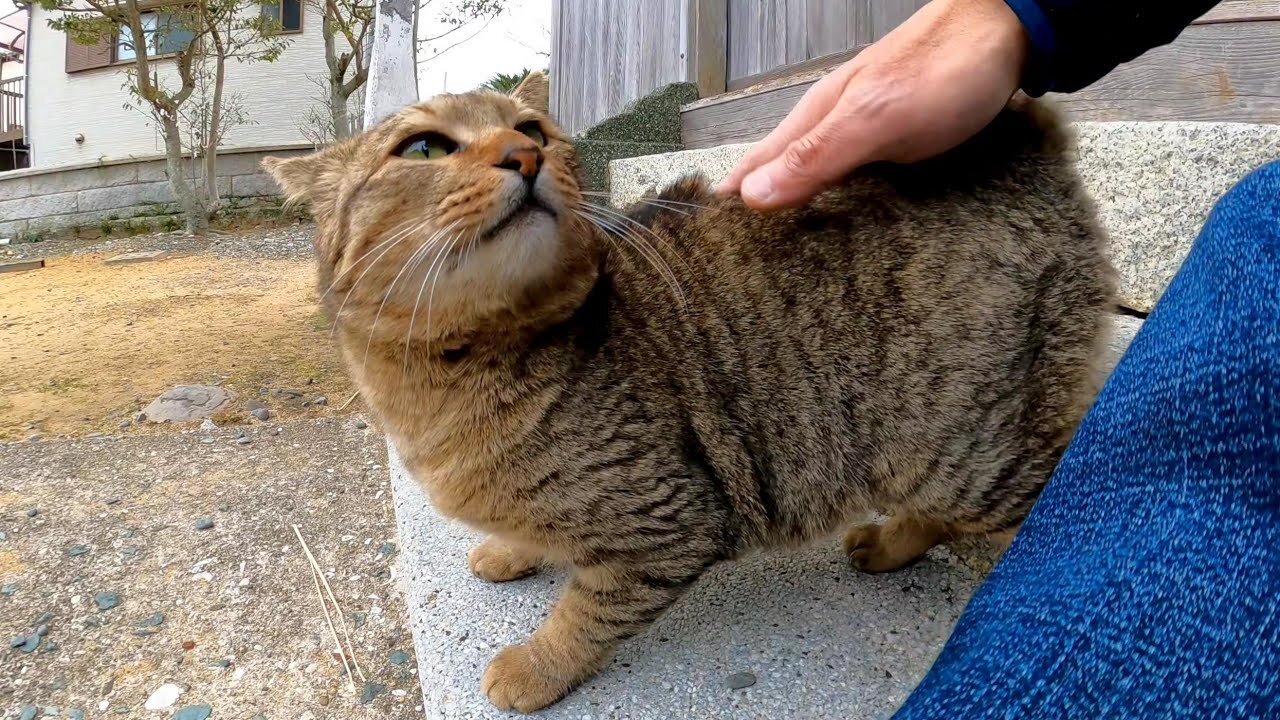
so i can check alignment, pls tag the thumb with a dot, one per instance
(809, 163)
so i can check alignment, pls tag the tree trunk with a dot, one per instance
(213, 138)
(189, 200)
(393, 71)
(341, 119)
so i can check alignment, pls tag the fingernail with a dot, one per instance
(758, 186)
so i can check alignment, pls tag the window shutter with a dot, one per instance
(85, 57)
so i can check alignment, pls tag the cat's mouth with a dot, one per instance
(529, 208)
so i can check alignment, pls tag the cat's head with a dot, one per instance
(454, 218)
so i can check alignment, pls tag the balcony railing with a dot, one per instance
(12, 109)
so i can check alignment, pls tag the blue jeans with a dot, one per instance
(1146, 582)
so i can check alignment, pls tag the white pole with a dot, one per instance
(393, 68)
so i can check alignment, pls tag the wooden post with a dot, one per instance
(393, 67)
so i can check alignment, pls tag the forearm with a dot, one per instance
(1076, 42)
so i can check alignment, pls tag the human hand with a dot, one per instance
(924, 88)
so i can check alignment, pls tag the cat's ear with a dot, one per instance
(534, 91)
(310, 178)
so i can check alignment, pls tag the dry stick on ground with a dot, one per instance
(318, 576)
(344, 405)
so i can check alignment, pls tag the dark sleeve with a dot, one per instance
(1076, 42)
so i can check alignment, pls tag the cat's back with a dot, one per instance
(946, 314)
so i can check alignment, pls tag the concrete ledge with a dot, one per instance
(1154, 184)
(814, 633)
(54, 199)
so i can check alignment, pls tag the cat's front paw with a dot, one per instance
(514, 681)
(496, 561)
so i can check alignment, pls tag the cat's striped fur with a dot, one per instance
(919, 340)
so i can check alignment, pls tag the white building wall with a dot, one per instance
(276, 95)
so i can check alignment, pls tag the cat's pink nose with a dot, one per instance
(525, 160)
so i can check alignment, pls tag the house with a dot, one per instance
(13, 42)
(89, 155)
(76, 101)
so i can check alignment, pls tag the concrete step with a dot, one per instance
(1154, 183)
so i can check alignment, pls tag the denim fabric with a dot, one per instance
(1146, 582)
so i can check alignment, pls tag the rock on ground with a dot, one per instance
(182, 403)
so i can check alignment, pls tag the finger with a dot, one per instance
(817, 101)
(828, 152)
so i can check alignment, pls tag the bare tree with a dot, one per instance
(460, 20)
(347, 27)
(201, 38)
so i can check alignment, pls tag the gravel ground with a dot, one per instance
(132, 568)
(288, 242)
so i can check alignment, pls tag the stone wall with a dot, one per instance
(51, 200)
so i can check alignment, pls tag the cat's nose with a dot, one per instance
(523, 159)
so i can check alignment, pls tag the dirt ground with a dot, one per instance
(229, 614)
(86, 345)
(135, 554)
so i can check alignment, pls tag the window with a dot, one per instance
(164, 34)
(286, 12)
(165, 31)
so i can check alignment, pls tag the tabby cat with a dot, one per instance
(639, 397)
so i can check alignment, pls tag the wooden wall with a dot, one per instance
(764, 35)
(606, 53)
(1225, 67)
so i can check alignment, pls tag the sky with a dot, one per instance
(507, 44)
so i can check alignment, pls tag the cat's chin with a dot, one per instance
(531, 226)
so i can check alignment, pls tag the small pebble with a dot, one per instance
(107, 600)
(262, 414)
(399, 657)
(738, 681)
(33, 512)
(188, 644)
(124, 425)
(322, 400)
(8, 589)
(193, 712)
(371, 691)
(51, 711)
(361, 424)
(254, 405)
(163, 697)
(153, 620)
(112, 500)
(28, 712)
(208, 424)
(33, 438)
(242, 440)
(42, 630)
(50, 646)
(75, 713)
(31, 643)
(17, 641)
(77, 550)
(203, 524)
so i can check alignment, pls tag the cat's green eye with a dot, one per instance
(533, 129)
(426, 146)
